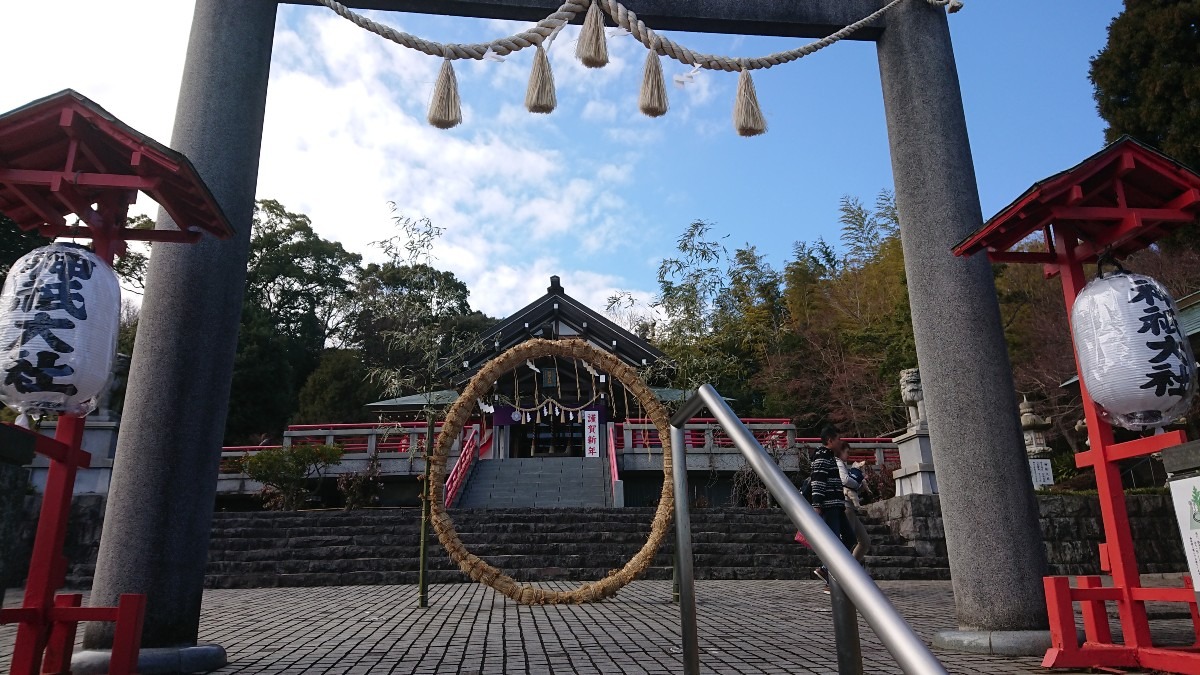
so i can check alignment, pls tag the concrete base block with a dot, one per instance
(998, 642)
(915, 475)
(190, 659)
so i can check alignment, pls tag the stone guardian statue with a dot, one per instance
(914, 399)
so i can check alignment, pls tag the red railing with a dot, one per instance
(389, 437)
(771, 433)
(454, 482)
(612, 461)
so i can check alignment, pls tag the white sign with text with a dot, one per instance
(591, 433)
(1042, 472)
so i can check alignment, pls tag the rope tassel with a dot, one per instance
(445, 110)
(592, 49)
(653, 99)
(540, 97)
(747, 116)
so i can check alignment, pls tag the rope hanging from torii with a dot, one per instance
(479, 569)
(445, 110)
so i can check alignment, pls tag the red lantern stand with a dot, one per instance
(1112, 204)
(62, 155)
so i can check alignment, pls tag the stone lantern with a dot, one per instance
(1034, 427)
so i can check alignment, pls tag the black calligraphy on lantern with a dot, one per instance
(50, 288)
(1145, 290)
(41, 326)
(28, 377)
(1165, 380)
(1158, 319)
(53, 285)
(1166, 348)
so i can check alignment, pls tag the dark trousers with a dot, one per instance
(835, 518)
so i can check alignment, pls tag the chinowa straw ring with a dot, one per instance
(482, 571)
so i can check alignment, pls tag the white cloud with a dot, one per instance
(599, 111)
(349, 124)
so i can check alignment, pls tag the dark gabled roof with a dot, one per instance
(542, 315)
(441, 399)
(61, 154)
(1189, 314)
(1118, 201)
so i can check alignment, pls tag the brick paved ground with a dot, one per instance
(745, 627)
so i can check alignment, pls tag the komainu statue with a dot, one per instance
(910, 392)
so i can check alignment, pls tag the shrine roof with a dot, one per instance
(1189, 314)
(1118, 201)
(62, 154)
(558, 315)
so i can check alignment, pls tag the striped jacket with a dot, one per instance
(826, 480)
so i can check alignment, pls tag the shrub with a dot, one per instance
(360, 488)
(286, 473)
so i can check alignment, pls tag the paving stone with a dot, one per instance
(768, 626)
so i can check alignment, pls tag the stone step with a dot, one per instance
(598, 543)
(565, 482)
(530, 543)
(576, 574)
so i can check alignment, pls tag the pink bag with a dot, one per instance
(802, 540)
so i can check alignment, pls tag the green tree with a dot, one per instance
(1147, 78)
(132, 264)
(413, 321)
(849, 331)
(15, 242)
(337, 390)
(299, 289)
(263, 395)
(401, 300)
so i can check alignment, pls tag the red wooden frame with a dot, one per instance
(46, 621)
(1114, 203)
(63, 154)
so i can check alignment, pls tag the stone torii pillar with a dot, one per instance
(989, 511)
(160, 501)
(156, 532)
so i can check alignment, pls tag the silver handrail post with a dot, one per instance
(911, 654)
(845, 630)
(683, 556)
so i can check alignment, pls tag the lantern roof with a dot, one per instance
(1116, 202)
(64, 154)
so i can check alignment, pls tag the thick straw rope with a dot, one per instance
(623, 18)
(479, 569)
(653, 41)
(501, 47)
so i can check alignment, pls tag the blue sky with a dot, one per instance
(594, 192)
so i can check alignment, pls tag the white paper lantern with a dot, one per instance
(59, 312)
(1133, 358)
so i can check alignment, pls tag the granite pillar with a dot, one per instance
(155, 538)
(989, 512)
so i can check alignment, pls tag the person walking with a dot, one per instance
(852, 484)
(828, 496)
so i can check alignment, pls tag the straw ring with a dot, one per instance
(462, 409)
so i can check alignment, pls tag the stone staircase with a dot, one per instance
(327, 548)
(541, 482)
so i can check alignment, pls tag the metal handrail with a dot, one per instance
(910, 652)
